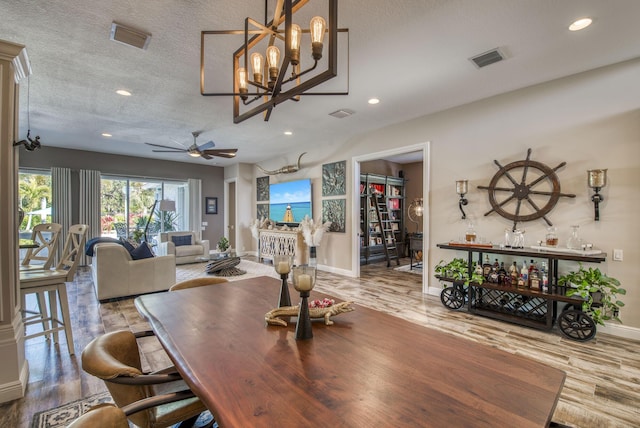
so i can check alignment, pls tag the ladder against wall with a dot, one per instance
(381, 239)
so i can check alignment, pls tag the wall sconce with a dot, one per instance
(597, 179)
(461, 189)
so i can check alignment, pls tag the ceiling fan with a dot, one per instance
(204, 151)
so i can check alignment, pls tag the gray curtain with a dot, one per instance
(61, 203)
(90, 206)
(195, 206)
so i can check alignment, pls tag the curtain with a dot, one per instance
(61, 203)
(195, 206)
(90, 206)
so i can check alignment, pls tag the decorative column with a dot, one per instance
(14, 371)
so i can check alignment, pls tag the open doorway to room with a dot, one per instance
(230, 213)
(397, 181)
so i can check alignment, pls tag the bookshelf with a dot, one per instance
(392, 189)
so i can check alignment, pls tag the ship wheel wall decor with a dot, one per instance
(524, 190)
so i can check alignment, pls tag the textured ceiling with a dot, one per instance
(413, 55)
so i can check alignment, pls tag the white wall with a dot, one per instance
(590, 120)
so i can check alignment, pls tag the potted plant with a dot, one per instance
(223, 244)
(458, 271)
(598, 291)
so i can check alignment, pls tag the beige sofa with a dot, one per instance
(116, 274)
(184, 253)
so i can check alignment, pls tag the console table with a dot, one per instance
(282, 242)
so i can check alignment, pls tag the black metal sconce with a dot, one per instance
(462, 187)
(597, 179)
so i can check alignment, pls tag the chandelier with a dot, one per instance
(279, 60)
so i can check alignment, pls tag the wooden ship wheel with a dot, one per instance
(524, 190)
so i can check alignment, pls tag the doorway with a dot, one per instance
(408, 154)
(230, 212)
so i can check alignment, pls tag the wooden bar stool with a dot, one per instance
(53, 281)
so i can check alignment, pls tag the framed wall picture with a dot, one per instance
(333, 178)
(262, 211)
(334, 210)
(262, 192)
(211, 205)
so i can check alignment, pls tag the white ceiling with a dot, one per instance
(412, 54)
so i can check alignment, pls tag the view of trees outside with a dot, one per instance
(34, 193)
(127, 203)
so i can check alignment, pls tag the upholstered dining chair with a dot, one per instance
(54, 282)
(115, 358)
(104, 415)
(197, 282)
(46, 236)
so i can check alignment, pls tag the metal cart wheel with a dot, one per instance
(577, 325)
(452, 298)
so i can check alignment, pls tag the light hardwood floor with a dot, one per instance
(603, 376)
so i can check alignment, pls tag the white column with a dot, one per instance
(14, 370)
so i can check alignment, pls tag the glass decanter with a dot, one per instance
(574, 242)
(551, 239)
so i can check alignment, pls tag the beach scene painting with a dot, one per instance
(290, 201)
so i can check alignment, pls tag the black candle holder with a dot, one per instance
(303, 327)
(285, 298)
(304, 279)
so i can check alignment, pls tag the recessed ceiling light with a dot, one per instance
(123, 92)
(106, 134)
(373, 101)
(288, 133)
(580, 24)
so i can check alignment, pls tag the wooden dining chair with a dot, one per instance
(115, 358)
(53, 281)
(197, 282)
(45, 235)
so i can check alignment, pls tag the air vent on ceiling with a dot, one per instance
(129, 36)
(342, 113)
(487, 58)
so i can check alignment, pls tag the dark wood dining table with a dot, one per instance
(368, 369)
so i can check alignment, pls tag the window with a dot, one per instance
(127, 204)
(34, 193)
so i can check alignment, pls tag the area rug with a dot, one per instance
(63, 415)
(252, 269)
(417, 270)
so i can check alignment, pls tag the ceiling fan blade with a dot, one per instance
(208, 145)
(221, 153)
(166, 147)
(205, 156)
(168, 151)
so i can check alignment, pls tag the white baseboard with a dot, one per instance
(337, 271)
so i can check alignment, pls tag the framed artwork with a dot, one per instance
(335, 210)
(262, 186)
(262, 211)
(333, 179)
(211, 205)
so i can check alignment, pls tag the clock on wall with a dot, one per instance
(524, 190)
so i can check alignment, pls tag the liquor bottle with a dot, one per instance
(486, 267)
(513, 274)
(534, 278)
(502, 273)
(544, 274)
(524, 275)
(493, 276)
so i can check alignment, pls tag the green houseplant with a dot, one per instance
(457, 270)
(598, 291)
(223, 244)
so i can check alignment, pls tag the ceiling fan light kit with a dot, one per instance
(268, 84)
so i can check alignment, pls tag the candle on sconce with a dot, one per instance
(304, 282)
(462, 187)
(597, 178)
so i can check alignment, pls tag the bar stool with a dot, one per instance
(44, 254)
(54, 282)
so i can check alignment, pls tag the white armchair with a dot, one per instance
(116, 274)
(184, 246)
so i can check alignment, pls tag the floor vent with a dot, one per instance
(129, 36)
(487, 58)
(342, 113)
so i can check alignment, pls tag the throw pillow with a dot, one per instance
(179, 241)
(142, 252)
(126, 244)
